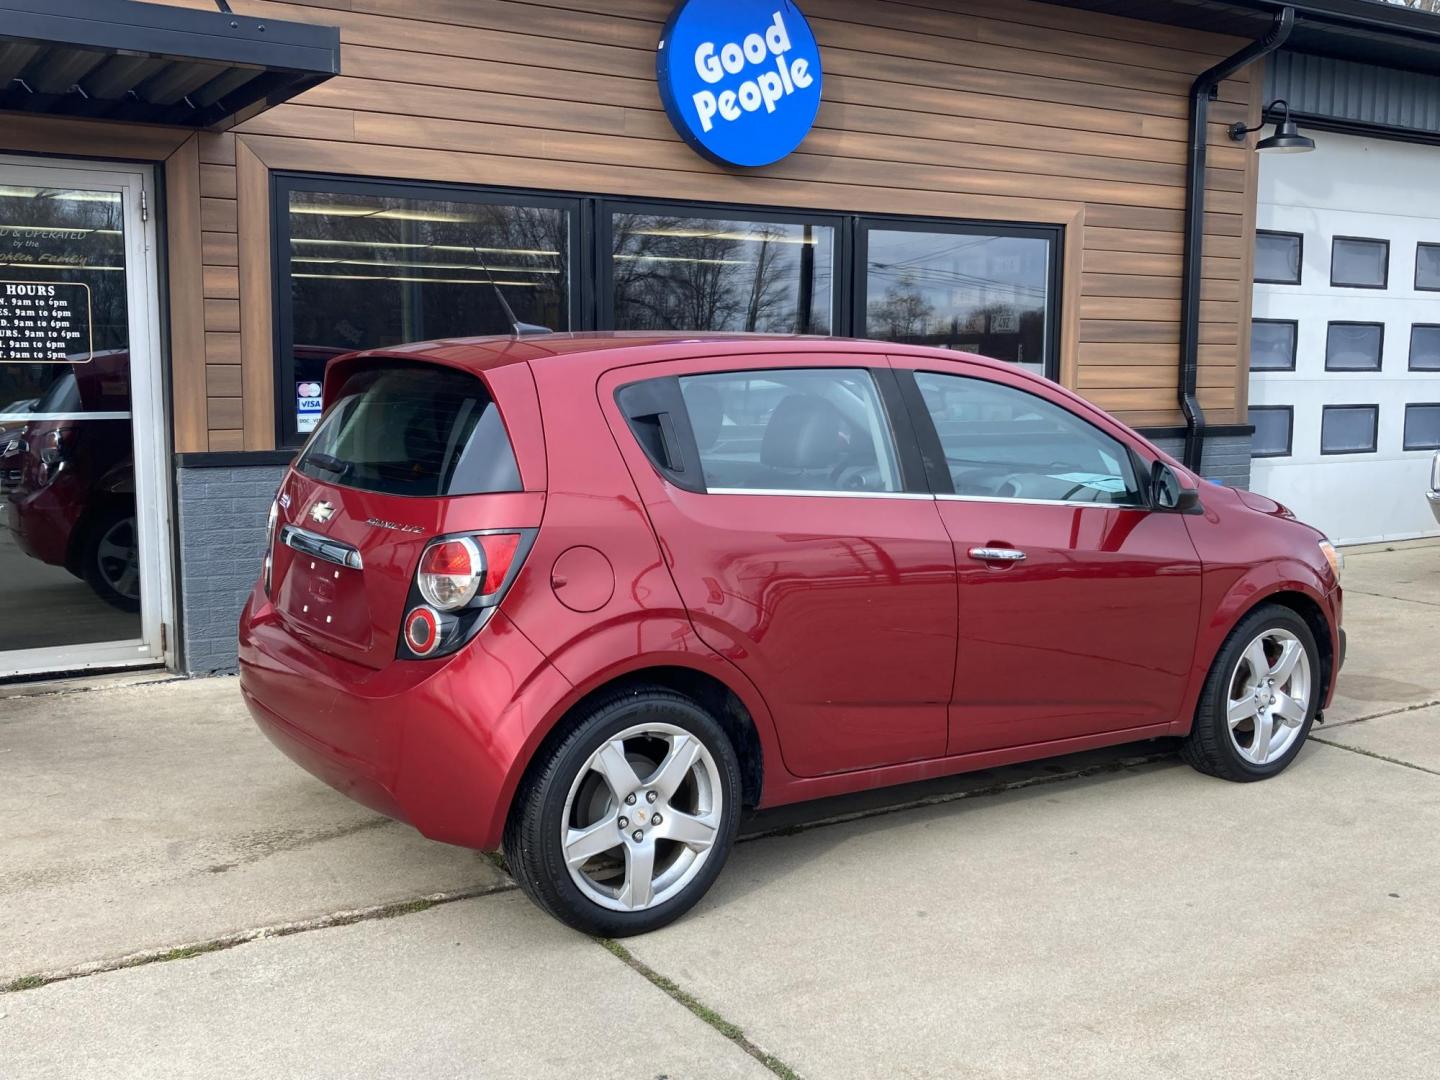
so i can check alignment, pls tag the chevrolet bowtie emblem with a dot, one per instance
(322, 512)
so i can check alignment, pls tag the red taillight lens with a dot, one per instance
(454, 572)
(500, 549)
(422, 631)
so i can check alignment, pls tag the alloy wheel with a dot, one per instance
(642, 817)
(1269, 696)
(118, 558)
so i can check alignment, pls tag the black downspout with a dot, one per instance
(1202, 91)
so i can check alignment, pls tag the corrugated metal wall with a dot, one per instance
(1345, 90)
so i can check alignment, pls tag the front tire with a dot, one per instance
(625, 823)
(110, 557)
(1259, 699)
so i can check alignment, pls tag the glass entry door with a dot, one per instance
(82, 573)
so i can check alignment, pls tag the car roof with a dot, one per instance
(485, 353)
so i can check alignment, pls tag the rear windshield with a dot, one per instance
(413, 430)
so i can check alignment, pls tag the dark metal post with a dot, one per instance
(1201, 93)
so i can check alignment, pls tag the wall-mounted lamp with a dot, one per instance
(1287, 138)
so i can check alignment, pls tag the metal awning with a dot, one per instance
(125, 60)
(1367, 31)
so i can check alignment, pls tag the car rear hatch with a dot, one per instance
(407, 451)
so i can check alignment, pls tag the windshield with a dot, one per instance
(416, 430)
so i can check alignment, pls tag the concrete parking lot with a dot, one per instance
(181, 901)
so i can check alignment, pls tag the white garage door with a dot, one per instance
(1345, 347)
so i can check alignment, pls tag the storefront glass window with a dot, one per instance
(977, 292)
(373, 269)
(674, 271)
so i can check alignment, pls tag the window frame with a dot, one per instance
(1299, 262)
(591, 282)
(1294, 325)
(1289, 450)
(1423, 244)
(283, 183)
(1405, 443)
(1373, 408)
(1379, 353)
(1385, 283)
(1410, 355)
(863, 224)
(604, 209)
(932, 449)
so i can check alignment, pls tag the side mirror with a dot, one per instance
(1167, 493)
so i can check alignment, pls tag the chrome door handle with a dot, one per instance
(996, 554)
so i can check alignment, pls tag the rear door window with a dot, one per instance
(416, 430)
(1004, 443)
(797, 429)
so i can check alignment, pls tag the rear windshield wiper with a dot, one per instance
(329, 463)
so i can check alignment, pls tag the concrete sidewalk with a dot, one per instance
(1107, 915)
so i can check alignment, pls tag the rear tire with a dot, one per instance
(625, 823)
(1259, 699)
(110, 557)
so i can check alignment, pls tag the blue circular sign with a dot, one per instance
(740, 79)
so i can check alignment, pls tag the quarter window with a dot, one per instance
(1359, 263)
(1277, 257)
(799, 429)
(1273, 426)
(1352, 346)
(1004, 443)
(1272, 345)
(1348, 429)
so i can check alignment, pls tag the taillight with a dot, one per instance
(270, 524)
(451, 573)
(458, 583)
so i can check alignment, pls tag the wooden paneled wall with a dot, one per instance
(1022, 111)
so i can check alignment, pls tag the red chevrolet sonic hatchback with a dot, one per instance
(585, 597)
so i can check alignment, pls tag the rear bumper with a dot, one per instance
(438, 744)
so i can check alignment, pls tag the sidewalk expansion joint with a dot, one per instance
(701, 1010)
(1098, 769)
(243, 937)
(1331, 725)
(1377, 757)
(1391, 596)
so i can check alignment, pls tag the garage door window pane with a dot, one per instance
(675, 271)
(1353, 346)
(1425, 348)
(1272, 345)
(1277, 258)
(792, 430)
(1272, 430)
(1362, 264)
(1348, 429)
(1422, 427)
(1427, 266)
(987, 294)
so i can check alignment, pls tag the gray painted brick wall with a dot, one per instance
(1227, 458)
(222, 540)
